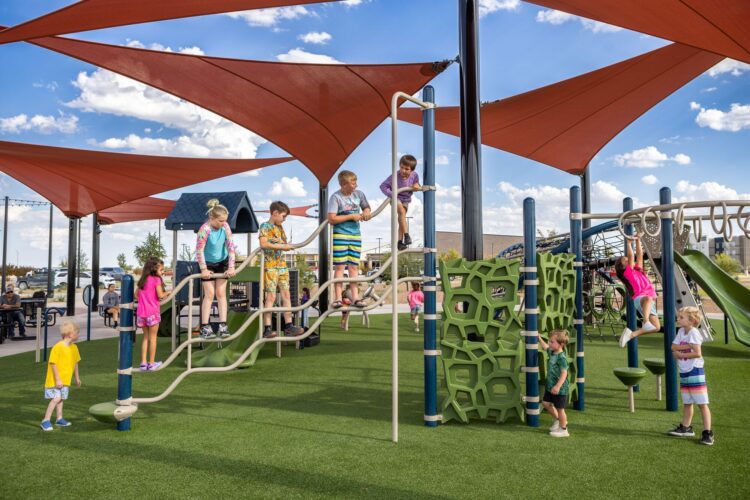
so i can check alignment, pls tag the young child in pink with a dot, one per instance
(416, 302)
(149, 291)
(629, 269)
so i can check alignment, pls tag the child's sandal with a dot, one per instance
(337, 304)
(359, 303)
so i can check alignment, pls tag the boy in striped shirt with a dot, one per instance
(686, 348)
(346, 208)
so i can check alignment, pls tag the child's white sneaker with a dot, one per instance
(627, 334)
(555, 426)
(559, 433)
(648, 327)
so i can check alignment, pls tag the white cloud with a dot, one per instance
(606, 192)
(196, 51)
(288, 186)
(706, 191)
(268, 18)
(122, 236)
(351, 3)
(735, 68)
(709, 89)
(442, 160)
(649, 180)
(453, 192)
(203, 134)
(316, 37)
(64, 124)
(301, 56)
(649, 157)
(251, 173)
(489, 6)
(557, 17)
(51, 86)
(734, 120)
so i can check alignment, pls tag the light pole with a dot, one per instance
(408, 223)
(379, 246)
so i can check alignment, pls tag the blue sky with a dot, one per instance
(696, 141)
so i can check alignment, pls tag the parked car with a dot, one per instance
(379, 279)
(61, 279)
(33, 279)
(115, 272)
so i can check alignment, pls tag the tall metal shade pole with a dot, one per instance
(471, 152)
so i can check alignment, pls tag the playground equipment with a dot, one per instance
(249, 337)
(657, 367)
(630, 377)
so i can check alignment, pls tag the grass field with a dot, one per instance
(316, 423)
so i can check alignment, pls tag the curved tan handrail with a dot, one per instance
(259, 342)
(310, 301)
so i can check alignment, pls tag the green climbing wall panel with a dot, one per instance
(481, 340)
(556, 292)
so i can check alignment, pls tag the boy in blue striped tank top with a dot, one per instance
(346, 208)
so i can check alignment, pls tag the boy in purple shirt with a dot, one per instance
(407, 177)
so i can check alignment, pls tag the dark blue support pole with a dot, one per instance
(630, 314)
(70, 291)
(471, 142)
(5, 243)
(127, 329)
(670, 304)
(531, 334)
(576, 246)
(431, 417)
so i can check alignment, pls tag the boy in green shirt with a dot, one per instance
(556, 385)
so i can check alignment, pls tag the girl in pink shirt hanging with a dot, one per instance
(638, 285)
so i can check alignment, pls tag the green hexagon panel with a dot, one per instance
(557, 287)
(481, 343)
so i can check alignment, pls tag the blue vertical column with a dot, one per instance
(630, 315)
(576, 246)
(125, 366)
(531, 313)
(431, 352)
(669, 298)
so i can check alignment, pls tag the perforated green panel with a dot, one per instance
(557, 287)
(480, 340)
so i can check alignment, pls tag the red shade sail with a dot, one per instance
(137, 210)
(80, 182)
(719, 26)
(565, 124)
(317, 112)
(95, 14)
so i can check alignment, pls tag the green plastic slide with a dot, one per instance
(216, 355)
(729, 294)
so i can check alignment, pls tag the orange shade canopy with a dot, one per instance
(319, 113)
(149, 208)
(81, 182)
(719, 26)
(96, 14)
(565, 124)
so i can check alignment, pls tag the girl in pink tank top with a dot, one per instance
(639, 287)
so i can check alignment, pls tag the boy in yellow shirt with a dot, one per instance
(63, 364)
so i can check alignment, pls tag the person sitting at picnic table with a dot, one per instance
(111, 302)
(11, 301)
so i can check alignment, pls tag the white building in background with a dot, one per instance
(702, 246)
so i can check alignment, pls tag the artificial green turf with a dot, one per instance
(316, 423)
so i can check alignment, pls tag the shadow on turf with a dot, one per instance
(244, 469)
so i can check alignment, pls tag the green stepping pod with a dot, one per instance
(556, 295)
(480, 340)
(629, 376)
(217, 354)
(655, 365)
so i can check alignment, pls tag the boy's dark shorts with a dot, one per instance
(559, 401)
(217, 268)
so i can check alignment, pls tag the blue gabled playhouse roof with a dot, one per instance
(189, 213)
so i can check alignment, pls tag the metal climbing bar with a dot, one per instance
(531, 314)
